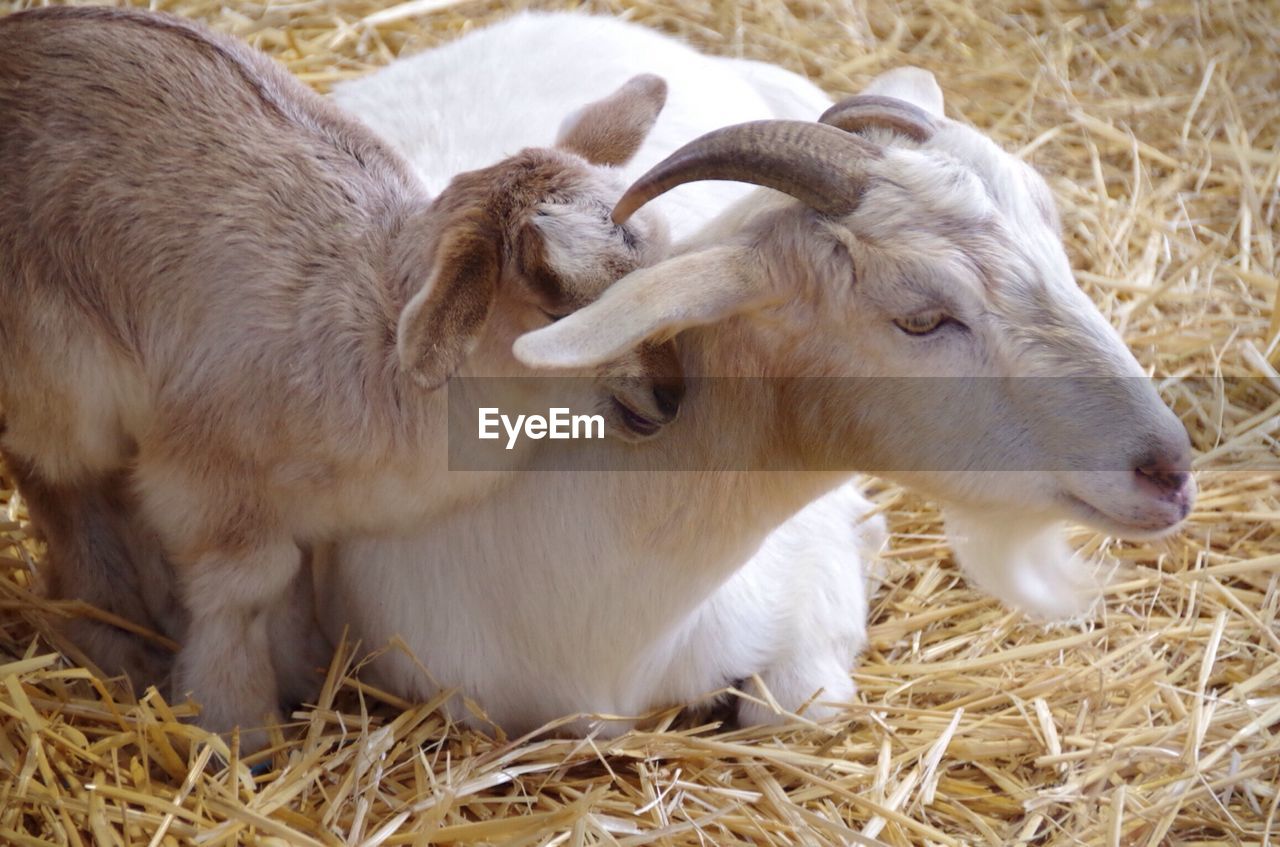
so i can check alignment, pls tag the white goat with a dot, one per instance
(230, 297)
(918, 248)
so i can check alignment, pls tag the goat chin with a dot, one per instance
(1023, 560)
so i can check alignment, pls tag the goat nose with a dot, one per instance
(667, 397)
(1167, 475)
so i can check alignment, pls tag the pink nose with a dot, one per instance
(1165, 476)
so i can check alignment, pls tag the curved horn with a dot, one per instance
(863, 111)
(821, 166)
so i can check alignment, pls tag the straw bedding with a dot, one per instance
(1155, 721)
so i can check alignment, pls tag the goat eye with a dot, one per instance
(551, 316)
(922, 324)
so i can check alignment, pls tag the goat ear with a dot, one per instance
(690, 290)
(442, 323)
(610, 131)
(913, 85)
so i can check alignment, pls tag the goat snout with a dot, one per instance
(1151, 497)
(1167, 477)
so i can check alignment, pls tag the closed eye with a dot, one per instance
(551, 316)
(925, 323)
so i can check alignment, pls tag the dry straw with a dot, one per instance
(1157, 721)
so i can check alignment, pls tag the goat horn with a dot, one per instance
(820, 166)
(863, 111)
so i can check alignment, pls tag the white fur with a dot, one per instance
(534, 635)
(1021, 559)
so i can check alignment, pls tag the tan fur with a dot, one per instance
(600, 132)
(219, 284)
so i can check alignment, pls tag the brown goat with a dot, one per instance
(218, 284)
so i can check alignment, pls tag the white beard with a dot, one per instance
(1023, 560)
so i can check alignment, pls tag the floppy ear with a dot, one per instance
(442, 323)
(691, 290)
(610, 131)
(914, 85)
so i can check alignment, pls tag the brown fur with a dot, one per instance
(96, 552)
(219, 283)
(602, 132)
